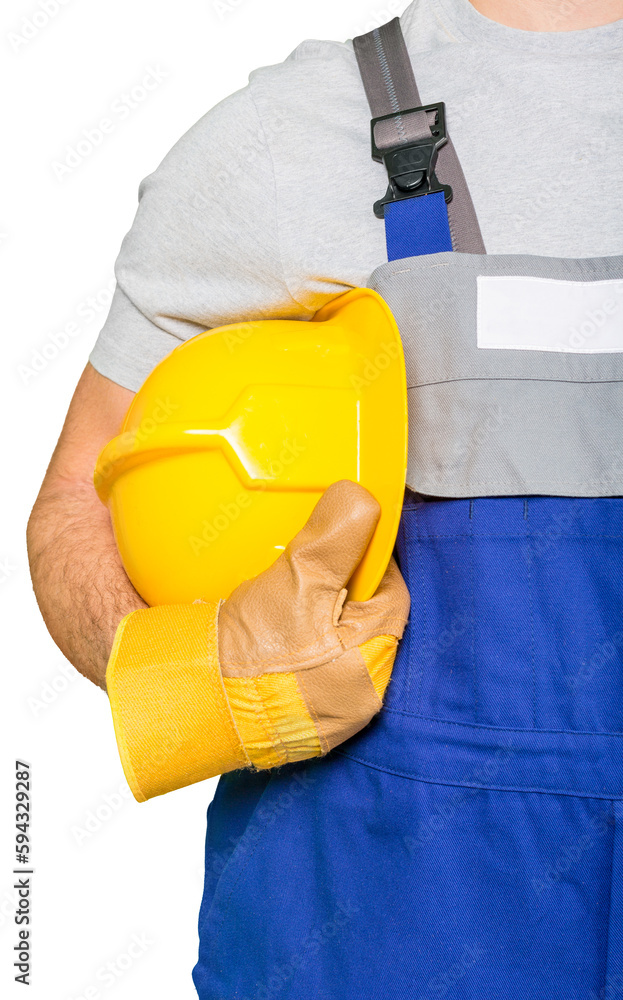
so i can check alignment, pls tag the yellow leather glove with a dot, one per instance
(281, 671)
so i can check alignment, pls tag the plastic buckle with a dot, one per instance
(411, 166)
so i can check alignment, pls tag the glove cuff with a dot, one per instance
(172, 720)
(177, 720)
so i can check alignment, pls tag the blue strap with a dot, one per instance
(417, 226)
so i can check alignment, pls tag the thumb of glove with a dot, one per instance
(291, 606)
(332, 543)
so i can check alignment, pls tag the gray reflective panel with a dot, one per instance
(500, 421)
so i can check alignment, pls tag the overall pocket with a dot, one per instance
(516, 613)
(368, 883)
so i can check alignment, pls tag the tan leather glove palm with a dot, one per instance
(282, 671)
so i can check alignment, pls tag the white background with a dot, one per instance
(106, 868)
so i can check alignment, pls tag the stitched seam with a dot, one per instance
(506, 729)
(369, 634)
(424, 623)
(532, 638)
(219, 928)
(367, 677)
(314, 714)
(518, 537)
(456, 782)
(276, 203)
(604, 991)
(275, 740)
(473, 603)
(547, 483)
(326, 656)
(221, 682)
(441, 380)
(387, 80)
(360, 624)
(408, 270)
(453, 237)
(405, 567)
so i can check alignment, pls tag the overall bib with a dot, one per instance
(468, 843)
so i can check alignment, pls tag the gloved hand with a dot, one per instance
(281, 671)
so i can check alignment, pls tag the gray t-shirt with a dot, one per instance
(263, 209)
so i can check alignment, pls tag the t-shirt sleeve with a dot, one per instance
(203, 249)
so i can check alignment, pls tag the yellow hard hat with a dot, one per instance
(232, 439)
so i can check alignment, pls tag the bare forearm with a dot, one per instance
(80, 584)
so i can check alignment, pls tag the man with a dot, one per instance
(486, 871)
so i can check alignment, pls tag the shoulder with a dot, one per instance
(317, 75)
(311, 84)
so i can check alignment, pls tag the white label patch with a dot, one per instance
(543, 314)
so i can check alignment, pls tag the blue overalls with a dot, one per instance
(468, 843)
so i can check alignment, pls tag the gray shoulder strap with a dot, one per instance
(390, 86)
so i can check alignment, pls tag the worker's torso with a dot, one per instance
(469, 841)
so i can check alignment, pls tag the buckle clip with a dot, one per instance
(411, 166)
